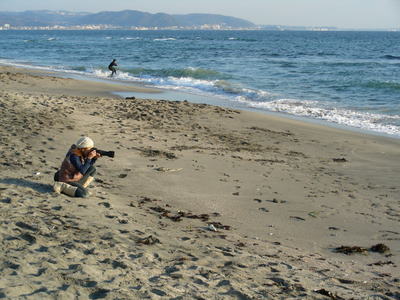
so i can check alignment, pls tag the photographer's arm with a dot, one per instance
(82, 168)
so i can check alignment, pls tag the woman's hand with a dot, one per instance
(93, 154)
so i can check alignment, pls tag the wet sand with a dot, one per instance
(281, 194)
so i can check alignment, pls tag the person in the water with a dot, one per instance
(112, 66)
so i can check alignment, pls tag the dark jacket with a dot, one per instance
(74, 166)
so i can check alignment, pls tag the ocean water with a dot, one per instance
(345, 78)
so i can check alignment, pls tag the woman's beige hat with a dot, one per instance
(84, 142)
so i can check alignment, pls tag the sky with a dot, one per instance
(366, 14)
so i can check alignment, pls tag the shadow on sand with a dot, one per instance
(39, 187)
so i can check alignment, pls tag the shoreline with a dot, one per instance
(103, 87)
(283, 194)
(140, 90)
(165, 94)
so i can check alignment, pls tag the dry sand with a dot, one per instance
(282, 195)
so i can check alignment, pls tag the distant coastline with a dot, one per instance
(126, 19)
(137, 20)
(203, 27)
(110, 27)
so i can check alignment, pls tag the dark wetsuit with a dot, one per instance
(112, 66)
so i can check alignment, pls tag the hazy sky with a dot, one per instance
(339, 13)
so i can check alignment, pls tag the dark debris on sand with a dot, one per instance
(348, 250)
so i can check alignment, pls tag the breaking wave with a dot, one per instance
(389, 124)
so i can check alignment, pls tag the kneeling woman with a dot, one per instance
(77, 170)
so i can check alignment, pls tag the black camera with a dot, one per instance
(105, 153)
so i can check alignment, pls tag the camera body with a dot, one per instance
(105, 153)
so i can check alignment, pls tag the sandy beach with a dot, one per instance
(200, 202)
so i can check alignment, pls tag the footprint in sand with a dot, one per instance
(105, 204)
(99, 294)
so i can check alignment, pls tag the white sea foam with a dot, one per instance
(320, 111)
(130, 38)
(164, 39)
(119, 76)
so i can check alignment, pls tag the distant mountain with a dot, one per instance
(125, 18)
(39, 18)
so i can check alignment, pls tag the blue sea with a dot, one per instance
(349, 79)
